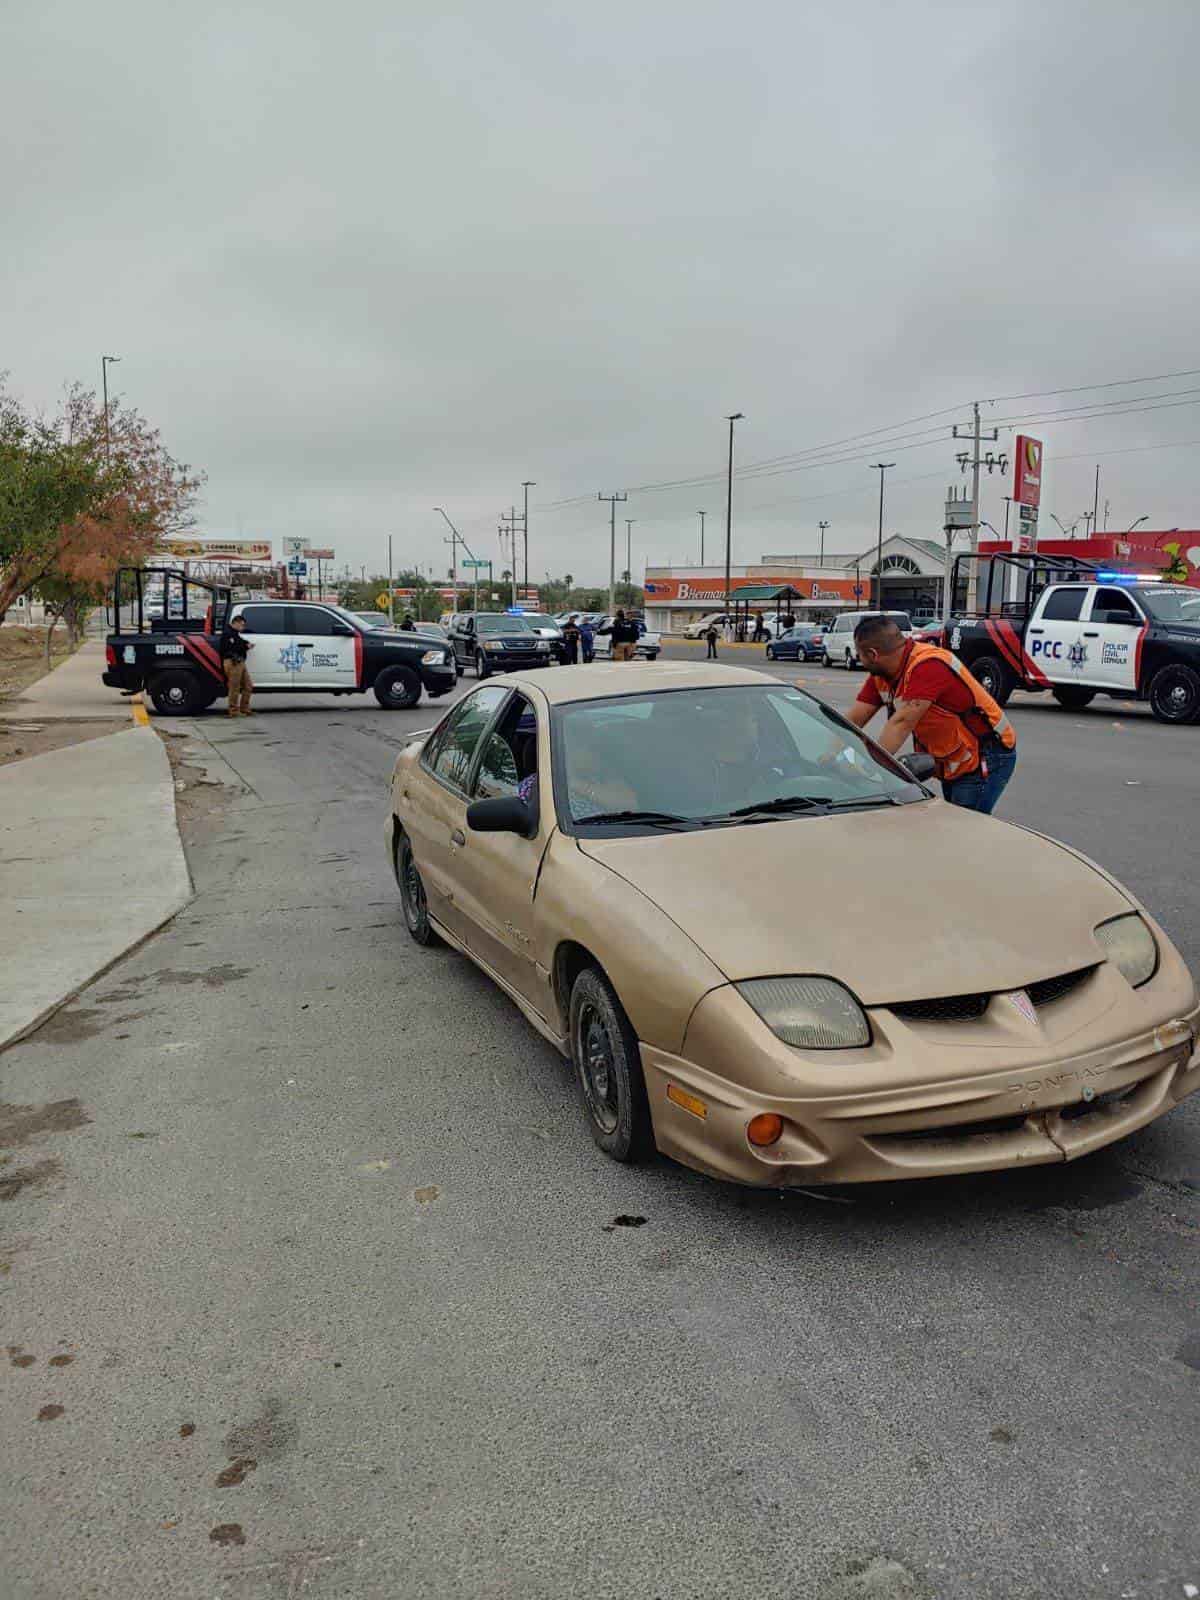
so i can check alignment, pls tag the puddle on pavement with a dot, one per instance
(35, 1176)
(211, 977)
(19, 1124)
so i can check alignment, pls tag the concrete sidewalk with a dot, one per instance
(90, 863)
(72, 690)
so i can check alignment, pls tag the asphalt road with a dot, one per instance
(316, 1219)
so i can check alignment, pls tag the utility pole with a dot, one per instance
(736, 416)
(1096, 503)
(457, 538)
(529, 483)
(1007, 509)
(105, 362)
(822, 526)
(391, 587)
(702, 515)
(974, 460)
(511, 528)
(614, 500)
(881, 468)
(629, 522)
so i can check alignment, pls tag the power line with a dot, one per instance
(1083, 388)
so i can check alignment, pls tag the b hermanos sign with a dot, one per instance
(661, 591)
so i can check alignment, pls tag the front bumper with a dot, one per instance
(1051, 1105)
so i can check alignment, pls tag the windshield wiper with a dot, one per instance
(660, 819)
(859, 802)
(784, 803)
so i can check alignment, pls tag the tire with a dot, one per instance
(991, 674)
(770, 652)
(652, 655)
(1073, 699)
(825, 660)
(849, 662)
(397, 688)
(608, 1066)
(481, 666)
(412, 894)
(178, 694)
(1175, 694)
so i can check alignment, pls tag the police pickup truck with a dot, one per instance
(166, 640)
(1067, 626)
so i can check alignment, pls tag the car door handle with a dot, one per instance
(458, 837)
(1091, 633)
(1037, 630)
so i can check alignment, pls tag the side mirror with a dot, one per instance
(921, 766)
(505, 814)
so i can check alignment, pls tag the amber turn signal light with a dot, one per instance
(689, 1102)
(764, 1129)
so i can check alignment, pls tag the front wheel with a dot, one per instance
(825, 661)
(412, 894)
(397, 688)
(604, 1049)
(993, 677)
(770, 653)
(481, 666)
(177, 694)
(849, 662)
(1072, 698)
(651, 655)
(1174, 694)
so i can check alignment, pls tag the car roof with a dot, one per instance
(598, 682)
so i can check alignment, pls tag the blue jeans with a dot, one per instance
(978, 792)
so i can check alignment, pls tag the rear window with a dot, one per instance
(1063, 605)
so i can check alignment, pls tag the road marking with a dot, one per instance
(140, 715)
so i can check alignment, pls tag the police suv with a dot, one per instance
(1049, 623)
(166, 640)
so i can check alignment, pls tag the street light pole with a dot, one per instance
(821, 554)
(735, 416)
(881, 468)
(629, 522)
(702, 515)
(105, 362)
(391, 590)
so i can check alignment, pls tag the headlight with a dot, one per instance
(809, 1013)
(542, 645)
(434, 658)
(1129, 945)
(497, 644)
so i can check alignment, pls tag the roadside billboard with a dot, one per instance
(1027, 478)
(663, 591)
(219, 549)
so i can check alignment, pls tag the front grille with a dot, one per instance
(1047, 990)
(970, 1007)
(950, 1008)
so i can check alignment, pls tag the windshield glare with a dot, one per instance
(707, 753)
(498, 624)
(1172, 605)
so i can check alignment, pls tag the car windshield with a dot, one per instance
(1172, 605)
(537, 621)
(492, 623)
(725, 755)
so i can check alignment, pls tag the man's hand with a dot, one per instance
(902, 723)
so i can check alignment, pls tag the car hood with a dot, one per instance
(998, 906)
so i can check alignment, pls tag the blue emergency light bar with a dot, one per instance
(1128, 577)
(514, 611)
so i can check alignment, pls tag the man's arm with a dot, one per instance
(861, 712)
(902, 723)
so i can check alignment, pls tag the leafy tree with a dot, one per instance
(75, 504)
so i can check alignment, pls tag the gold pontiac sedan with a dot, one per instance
(696, 884)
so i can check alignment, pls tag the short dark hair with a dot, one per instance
(879, 632)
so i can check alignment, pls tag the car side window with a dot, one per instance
(1063, 605)
(266, 619)
(1114, 605)
(451, 762)
(509, 755)
(313, 620)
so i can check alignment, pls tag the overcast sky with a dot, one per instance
(363, 259)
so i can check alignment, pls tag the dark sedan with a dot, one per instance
(797, 644)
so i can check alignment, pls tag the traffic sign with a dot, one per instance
(298, 569)
(475, 563)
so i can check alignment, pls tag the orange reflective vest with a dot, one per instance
(944, 734)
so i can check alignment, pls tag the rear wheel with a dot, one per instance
(481, 666)
(1073, 699)
(412, 894)
(770, 652)
(397, 688)
(1175, 694)
(825, 661)
(178, 694)
(992, 675)
(608, 1065)
(849, 663)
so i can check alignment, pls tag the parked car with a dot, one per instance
(798, 644)
(548, 628)
(648, 645)
(373, 619)
(837, 649)
(491, 641)
(697, 630)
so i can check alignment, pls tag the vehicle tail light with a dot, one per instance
(764, 1129)
(110, 656)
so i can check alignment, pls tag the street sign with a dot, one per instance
(474, 563)
(298, 569)
(293, 548)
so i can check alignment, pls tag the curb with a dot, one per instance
(138, 707)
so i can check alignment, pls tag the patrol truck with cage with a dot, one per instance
(165, 639)
(1069, 627)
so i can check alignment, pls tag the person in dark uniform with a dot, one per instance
(710, 633)
(571, 643)
(234, 650)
